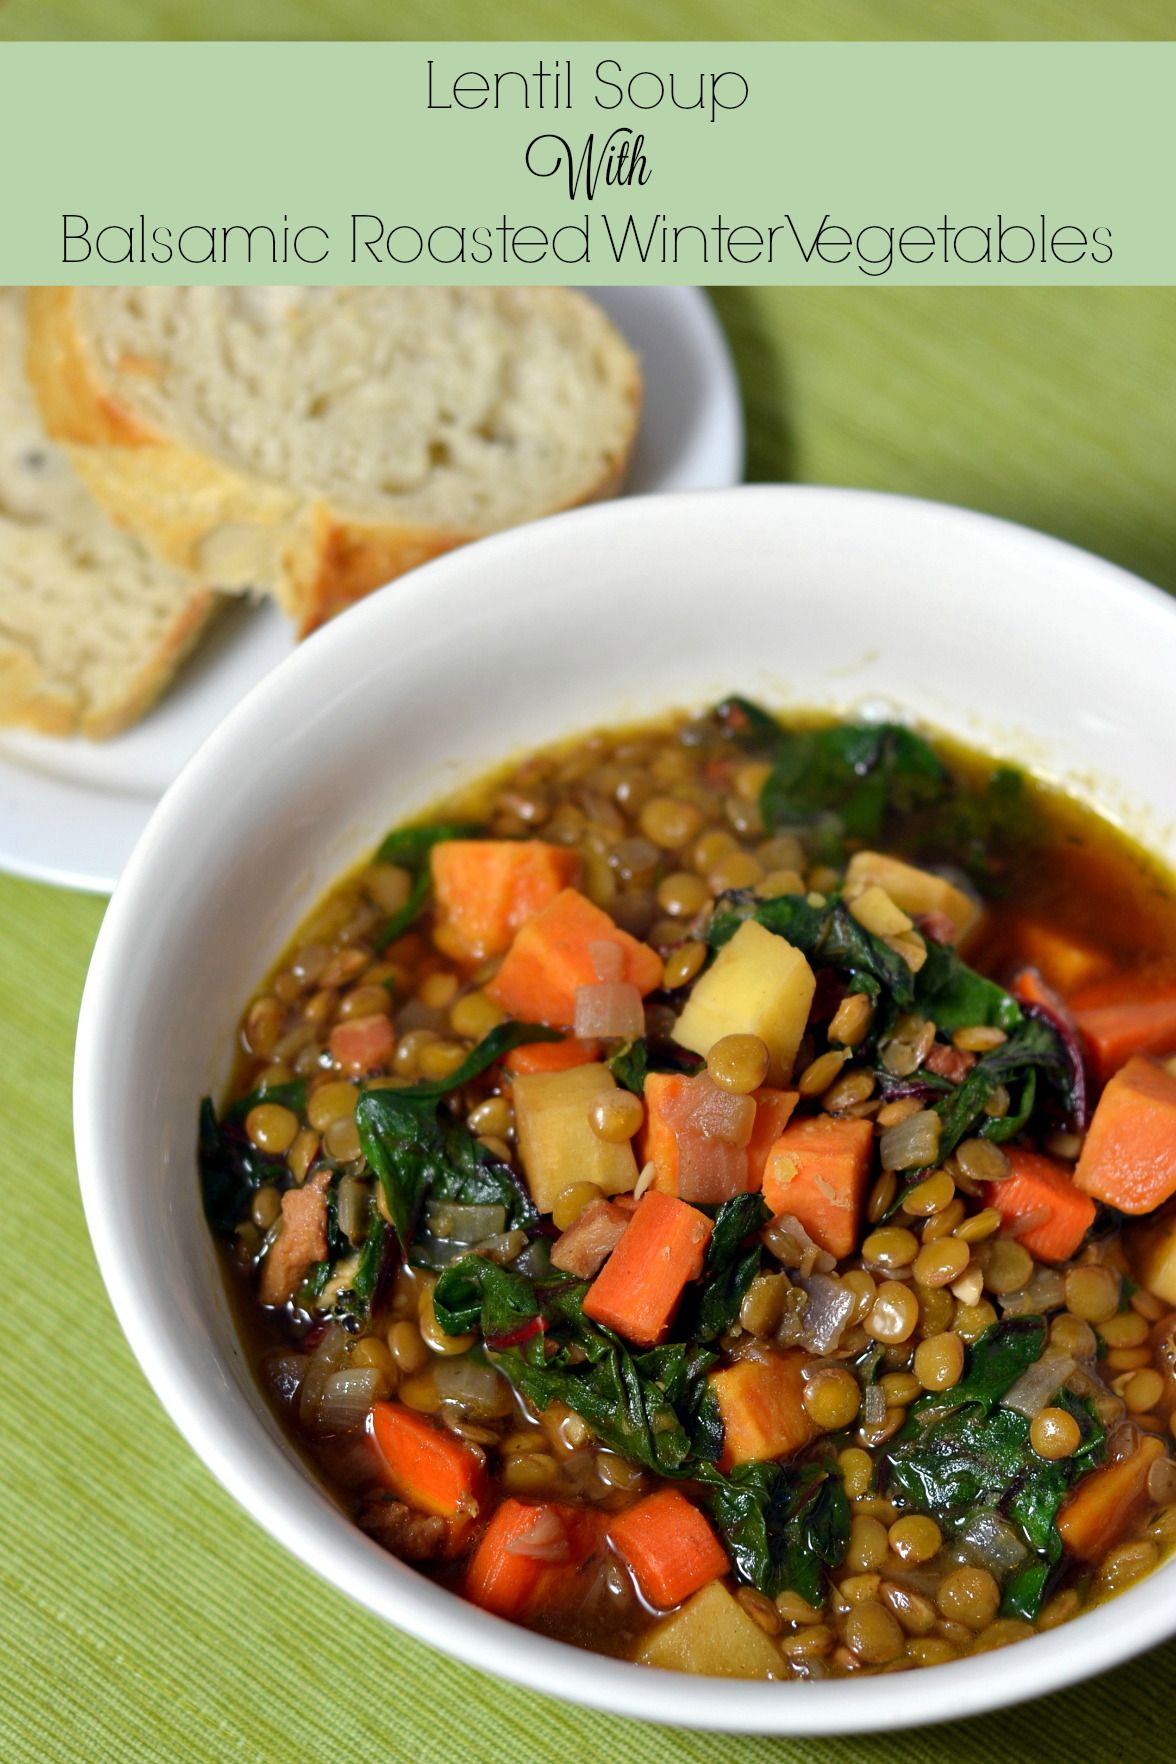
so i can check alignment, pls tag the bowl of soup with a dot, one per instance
(659, 1182)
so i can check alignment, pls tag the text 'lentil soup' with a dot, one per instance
(706, 1198)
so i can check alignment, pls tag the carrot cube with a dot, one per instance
(817, 1170)
(487, 889)
(1106, 1504)
(532, 1559)
(363, 1043)
(1118, 1029)
(1042, 1184)
(1065, 961)
(637, 1291)
(429, 1469)
(659, 1143)
(669, 1546)
(551, 1056)
(760, 1401)
(1129, 1158)
(551, 956)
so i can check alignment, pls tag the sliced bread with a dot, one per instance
(314, 442)
(92, 626)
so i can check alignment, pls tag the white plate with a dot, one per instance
(71, 811)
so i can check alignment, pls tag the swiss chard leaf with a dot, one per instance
(630, 1064)
(746, 723)
(475, 1293)
(829, 936)
(730, 1267)
(954, 996)
(356, 1299)
(501, 1040)
(290, 1096)
(995, 1361)
(857, 773)
(231, 1170)
(1033, 1042)
(782, 1527)
(410, 847)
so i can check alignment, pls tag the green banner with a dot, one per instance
(778, 163)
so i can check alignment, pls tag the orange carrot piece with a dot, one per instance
(509, 1581)
(760, 1402)
(1129, 1157)
(1115, 1028)
(550, 958)
(487, 889)
(363, 1043)
(1106, 1503)
(669, 1546)
(659, 1144)
(551, 1056)
(818, 1170)
(1065, 961)
(637, 1291)
(1042, 1184)
(430, 1469)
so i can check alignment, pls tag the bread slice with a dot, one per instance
(314, 442)
(92, 627)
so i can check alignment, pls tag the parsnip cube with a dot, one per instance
(759, 985)
(556, 1143)
(1157, 1262)
(879, 913)
(712, 1634)
(915, 891)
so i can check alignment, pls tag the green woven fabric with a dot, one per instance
(143, 1618)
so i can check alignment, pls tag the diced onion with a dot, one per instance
(503, 1247)
(830, 1307)
(913, 1143)
(608, 959)
(873, 1406)
(328, 1358)
(988, 1541)
(1035, 1389)
(545, 1541)
(477, 1389)
(787, 1225)
(464, 1224)
(347, 1398)
(611, 1010)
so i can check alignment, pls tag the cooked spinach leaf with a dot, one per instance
(857, 773)
(414, 1155)
(410, 847)
(475, 1293)
(289, 1096)
(501, 1040)
(630, 1064)
(954, 996)
(231, 1170)
(746, 723)
(356, 1300)
(1032, 1043)
(994, 1363)
(730, 1267)
(782, 1527)
(829, 936)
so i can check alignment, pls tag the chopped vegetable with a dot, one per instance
(533, 1558)
(639, 1288)
(760, 985)
(557, 1145)
(301, 1241)
(487, 889)
(1040, 1185)
(551, 957)
(818, 1170)
(714, 1635)
(583, 1247)
(1154, 1249)
(1129, 1156)
(915, 891)
(429, 1468)
(760, 1400)
(551, 1056)
(669, 1546)
(1066, 962)
(363, 1043)
(1106, 1504)
(1123, 1018)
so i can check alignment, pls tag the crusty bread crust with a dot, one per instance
(234, 528)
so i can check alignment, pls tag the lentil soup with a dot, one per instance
(705, 1197)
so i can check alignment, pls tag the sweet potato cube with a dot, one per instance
(1129, 1158)
(759, 985)
(1040, 1184)
(659, 1144)
(759, 1399)
(1065, 961)
(1106, 1504)
(487, 889)
(712, 1635)
(638, 1289)
(1153, 1257)
(915, 891)
(818, 1171)
(669, 1545)
(556, 1143)
(550, 957)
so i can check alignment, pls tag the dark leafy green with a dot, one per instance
(475, 1293)
(995, 1361)
(290, 1096)
(746, 723)
(829, 936)
(954, 996)
(501, 1040)
(858, 774)
(356, 1300)
(630, 1064)
(731, 1265)
(1033, 1043)
(410, 847)
(783, 1526)
(231, 1170)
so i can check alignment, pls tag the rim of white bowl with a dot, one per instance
(267, 1478)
